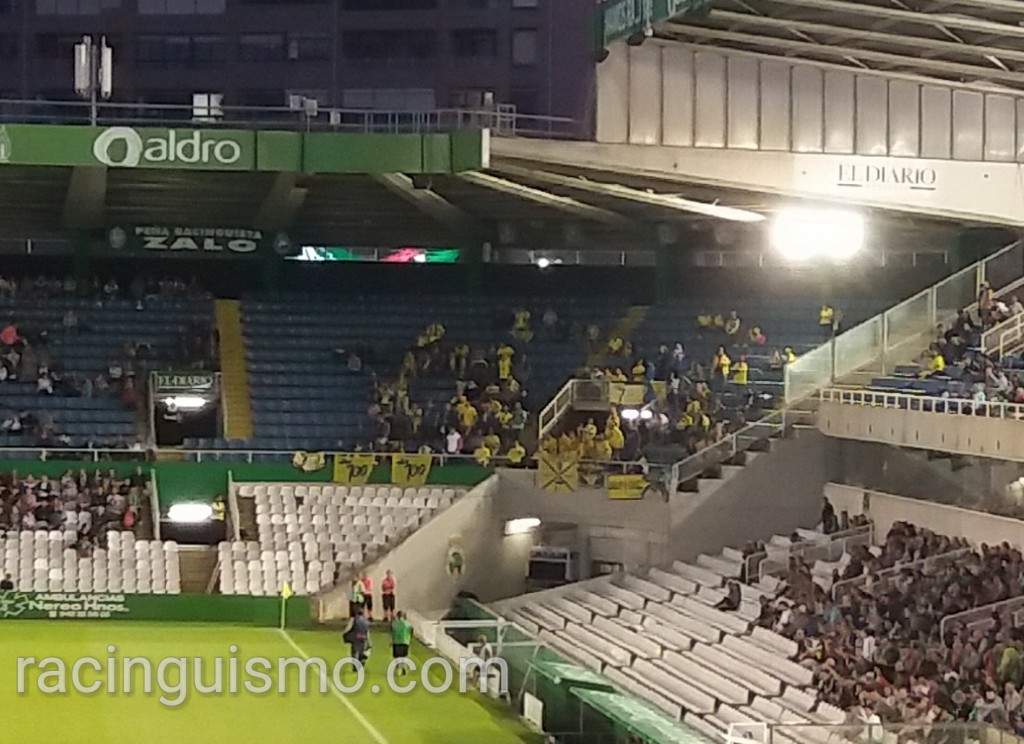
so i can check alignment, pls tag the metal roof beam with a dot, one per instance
(877, 12)
(85, 201)
(547, 199)
(282, 203)
(667, 201)
(425, 200)
(847, 32)
(842, 52)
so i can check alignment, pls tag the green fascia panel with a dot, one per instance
(339, 152)
(128, 147)
(437, 153)
(279, 152)
(240, 150)
(471, 150)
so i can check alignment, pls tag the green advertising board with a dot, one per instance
(193, 149)
(622, 18)
(187, 241)
(183, 382)
(201, 608)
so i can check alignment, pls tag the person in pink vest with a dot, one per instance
(367, 583)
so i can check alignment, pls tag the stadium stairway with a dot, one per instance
(624, 329)
(234, 374)
(197, 566)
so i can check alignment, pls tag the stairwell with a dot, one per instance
(197, 566)
(247, 517)
(623, 329)
(235, 394)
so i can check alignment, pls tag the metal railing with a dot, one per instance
(884, 577)
(742, 440)
(574, 394)
(503, 121)
(981, 617)
(923, 403)
(1004, 338)
(777, 558)
(154, 504)
(904, 329)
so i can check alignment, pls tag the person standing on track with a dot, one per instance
(367, 586)
(401, 639)
(387, 595)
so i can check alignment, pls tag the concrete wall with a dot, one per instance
(943, 432)
(884, 509)
(631, 533)
(775, 493)
(495, 565)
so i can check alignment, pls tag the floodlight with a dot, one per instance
(543, 262)
(805, 233)
(185, 402)
(521, 526)
(190, 513)
(630, 414)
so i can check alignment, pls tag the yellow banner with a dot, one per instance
(626, 486)
(410, 470)
(626, 393)
(558, 473)
(353, 470)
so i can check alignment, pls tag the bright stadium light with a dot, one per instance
(420, 257)
(521, 526)
(190, 513)
(630, 414)
(805, 233)
(185, 402)
(543, 262)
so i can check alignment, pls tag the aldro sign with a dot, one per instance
(125, 147)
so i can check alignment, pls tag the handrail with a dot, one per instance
(502, 120)
(236, 517)
(921, 312)
(977, 615)
(923, 403)
(1004, 338)
(844, 539)
(877, 577)
(724, 448)
(154, 503)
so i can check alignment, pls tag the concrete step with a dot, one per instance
(197, 565)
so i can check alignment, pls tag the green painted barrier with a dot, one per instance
(203, 481)
(196, 608)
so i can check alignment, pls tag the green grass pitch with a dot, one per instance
(272, 718)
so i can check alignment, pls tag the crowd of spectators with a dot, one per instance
(89, 505)
(487, 412)
(875, 645)
(27, 354)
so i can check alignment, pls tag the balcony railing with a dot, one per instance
(923, 403)
(502, 121)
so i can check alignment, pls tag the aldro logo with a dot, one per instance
(124, 147)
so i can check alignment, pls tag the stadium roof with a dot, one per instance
(979, 43)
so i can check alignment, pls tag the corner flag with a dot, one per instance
(286, 593)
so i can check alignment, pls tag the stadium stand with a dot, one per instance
(312, 535)
(73, 362)
(308, 392)
(76, 534)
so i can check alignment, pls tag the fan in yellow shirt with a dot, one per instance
(616, 439)
(482, 455)
(741, 371)
(588, 431)
(516, 454)
(639, 370)
(602, 450)
(505, 354)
